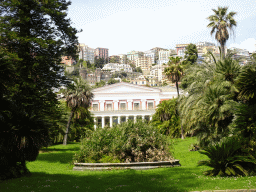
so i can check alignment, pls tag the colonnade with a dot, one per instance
(118, 118)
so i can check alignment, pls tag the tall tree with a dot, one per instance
(191, 54)
(222, 23)
(167, 119)
(208, 109)
(174, 71)
(34, 36)
(77, 96)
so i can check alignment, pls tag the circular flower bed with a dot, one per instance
(125, 143)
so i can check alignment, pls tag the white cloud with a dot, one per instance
(249, 44)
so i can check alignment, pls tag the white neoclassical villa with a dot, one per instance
(119, 102)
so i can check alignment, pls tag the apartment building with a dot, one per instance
(163, 56)
(145, 63)
(86, 53)
(113, 67)
(154, 53)
(180, 49)
(133, 55)
(242, 54)
(158, 72)
(101, 53)
(123, 58)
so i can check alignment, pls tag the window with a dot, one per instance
(109, 107)
(150, 105)
(136, 106)
(122, 106)
(95, 107)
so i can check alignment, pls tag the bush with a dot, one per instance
(227, 159)
(127, 142)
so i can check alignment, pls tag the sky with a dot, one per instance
(126, 25)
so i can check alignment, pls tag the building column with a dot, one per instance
(135, 118)
(150, 118)
(115, 107)
(111, 121)
(143, 117)
(126, 118)
(103, 122)
(94, 123)
(102, 105)
(143, 104)
(119, 119)
(129, 104)
(157, 101)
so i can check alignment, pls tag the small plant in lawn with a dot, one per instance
(227, 159)
(127, 142)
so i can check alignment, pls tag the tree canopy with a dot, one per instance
(191, 54)
(222, 23)
(34, 36)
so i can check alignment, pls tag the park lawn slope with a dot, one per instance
(52, 171)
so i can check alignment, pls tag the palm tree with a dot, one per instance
(208, 108)
(221, 23)
(77, 96)
(166, 118)
(174, 71)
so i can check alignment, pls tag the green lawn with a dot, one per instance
(52, 172)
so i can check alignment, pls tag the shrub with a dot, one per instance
(127, 142)
(227, 159)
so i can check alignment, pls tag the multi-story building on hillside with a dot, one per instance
(92, 77)
(119, 102)
(101, 53)
(151, 54)
(113, 67)
(133, 55)
(163, 56)
(180, 49)
(149, 80)
(154, 54)
(145, 63)
(242, 54)
(158, 72)
(67, 60)
(123, 58)
(86, 53)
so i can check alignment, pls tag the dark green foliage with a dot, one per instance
(78, 98)
(34, 36)
(138, 69)
(99, 84)
(246, 83)
(127, 142)
(167, 119)
(191, 54)
(209, 108)
(227, 159)
(99, 62)
(112, 81)
(244, 123)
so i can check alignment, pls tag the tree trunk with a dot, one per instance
(222, 51)
(177, 87)
(68, 125)
(181, 127)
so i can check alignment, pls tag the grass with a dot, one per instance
(52, 172)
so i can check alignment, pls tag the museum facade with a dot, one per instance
(119, 102)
